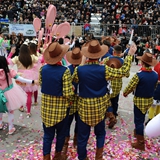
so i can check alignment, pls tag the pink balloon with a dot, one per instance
(37, 24)
(51, 15)
(63, 29)
(153, 127)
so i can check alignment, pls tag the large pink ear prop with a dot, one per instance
(40, 36)
(153, 127)
(37, 24)
(62, 30)
(51, 15)
(52, 32)
(54, 29)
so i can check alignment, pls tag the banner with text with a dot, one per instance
(25, 29)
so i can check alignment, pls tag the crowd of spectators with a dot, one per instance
(23, 11)
(140, 14)
(116, 14)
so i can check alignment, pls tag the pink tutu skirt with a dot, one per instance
(35, 69)
(16, 98)
(29, 74)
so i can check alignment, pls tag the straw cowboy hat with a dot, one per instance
(55, 52)
(94, 50)
(148, 58)
(114, 62)
(74, 56)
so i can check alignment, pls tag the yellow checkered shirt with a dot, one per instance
(53, 109)
(142, 103)
(116, 84)
(92, 110)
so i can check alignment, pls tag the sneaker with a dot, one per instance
(29, 115)
(11, 131)
(21, 109)
(1, 126)
(35, 103)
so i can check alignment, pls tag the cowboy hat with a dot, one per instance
(110, 39)
(114, 62)
(74, 56)
(55, 52)
(148, 58)
(94, 50)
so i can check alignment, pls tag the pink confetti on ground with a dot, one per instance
(113, 149)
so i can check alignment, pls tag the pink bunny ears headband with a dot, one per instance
(51, 29)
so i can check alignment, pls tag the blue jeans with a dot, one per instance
(70, 119)
(49, 133)
(139, 119)
(83, 136)
(114, 102)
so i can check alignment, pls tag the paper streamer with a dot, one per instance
(130, 40)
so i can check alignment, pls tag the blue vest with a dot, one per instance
(146, 85)
(52, 83)
(157, 92)
(92, 82)
(110, 51)
(119, 58)
(105, 56)
(75, 84)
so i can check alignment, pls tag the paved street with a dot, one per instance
(26, 143)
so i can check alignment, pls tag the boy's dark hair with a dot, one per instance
(118, 49)
(107, 43)
(61, 41)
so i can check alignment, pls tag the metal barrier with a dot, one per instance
(105, 29)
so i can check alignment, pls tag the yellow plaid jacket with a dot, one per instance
(92, 110)
(116, 83)
(53, 108)
(142, 103)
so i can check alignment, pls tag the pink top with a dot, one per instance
(3, 80)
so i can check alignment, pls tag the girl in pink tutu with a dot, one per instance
(26, 64)
(33, 51)
(13, 94)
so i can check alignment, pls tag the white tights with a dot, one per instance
(10, 119)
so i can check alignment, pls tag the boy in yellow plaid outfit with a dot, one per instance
(143, 84)
(92, 79)
(56, 88)
(116, 85)
(74, 57)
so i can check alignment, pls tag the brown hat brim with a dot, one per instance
(114, 62)
(153, 63)
(71, 60)
(50, 60)
(104, 50)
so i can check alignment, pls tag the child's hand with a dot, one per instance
(19, 73)
(36, 82)
(125, 95)
(133, 49)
